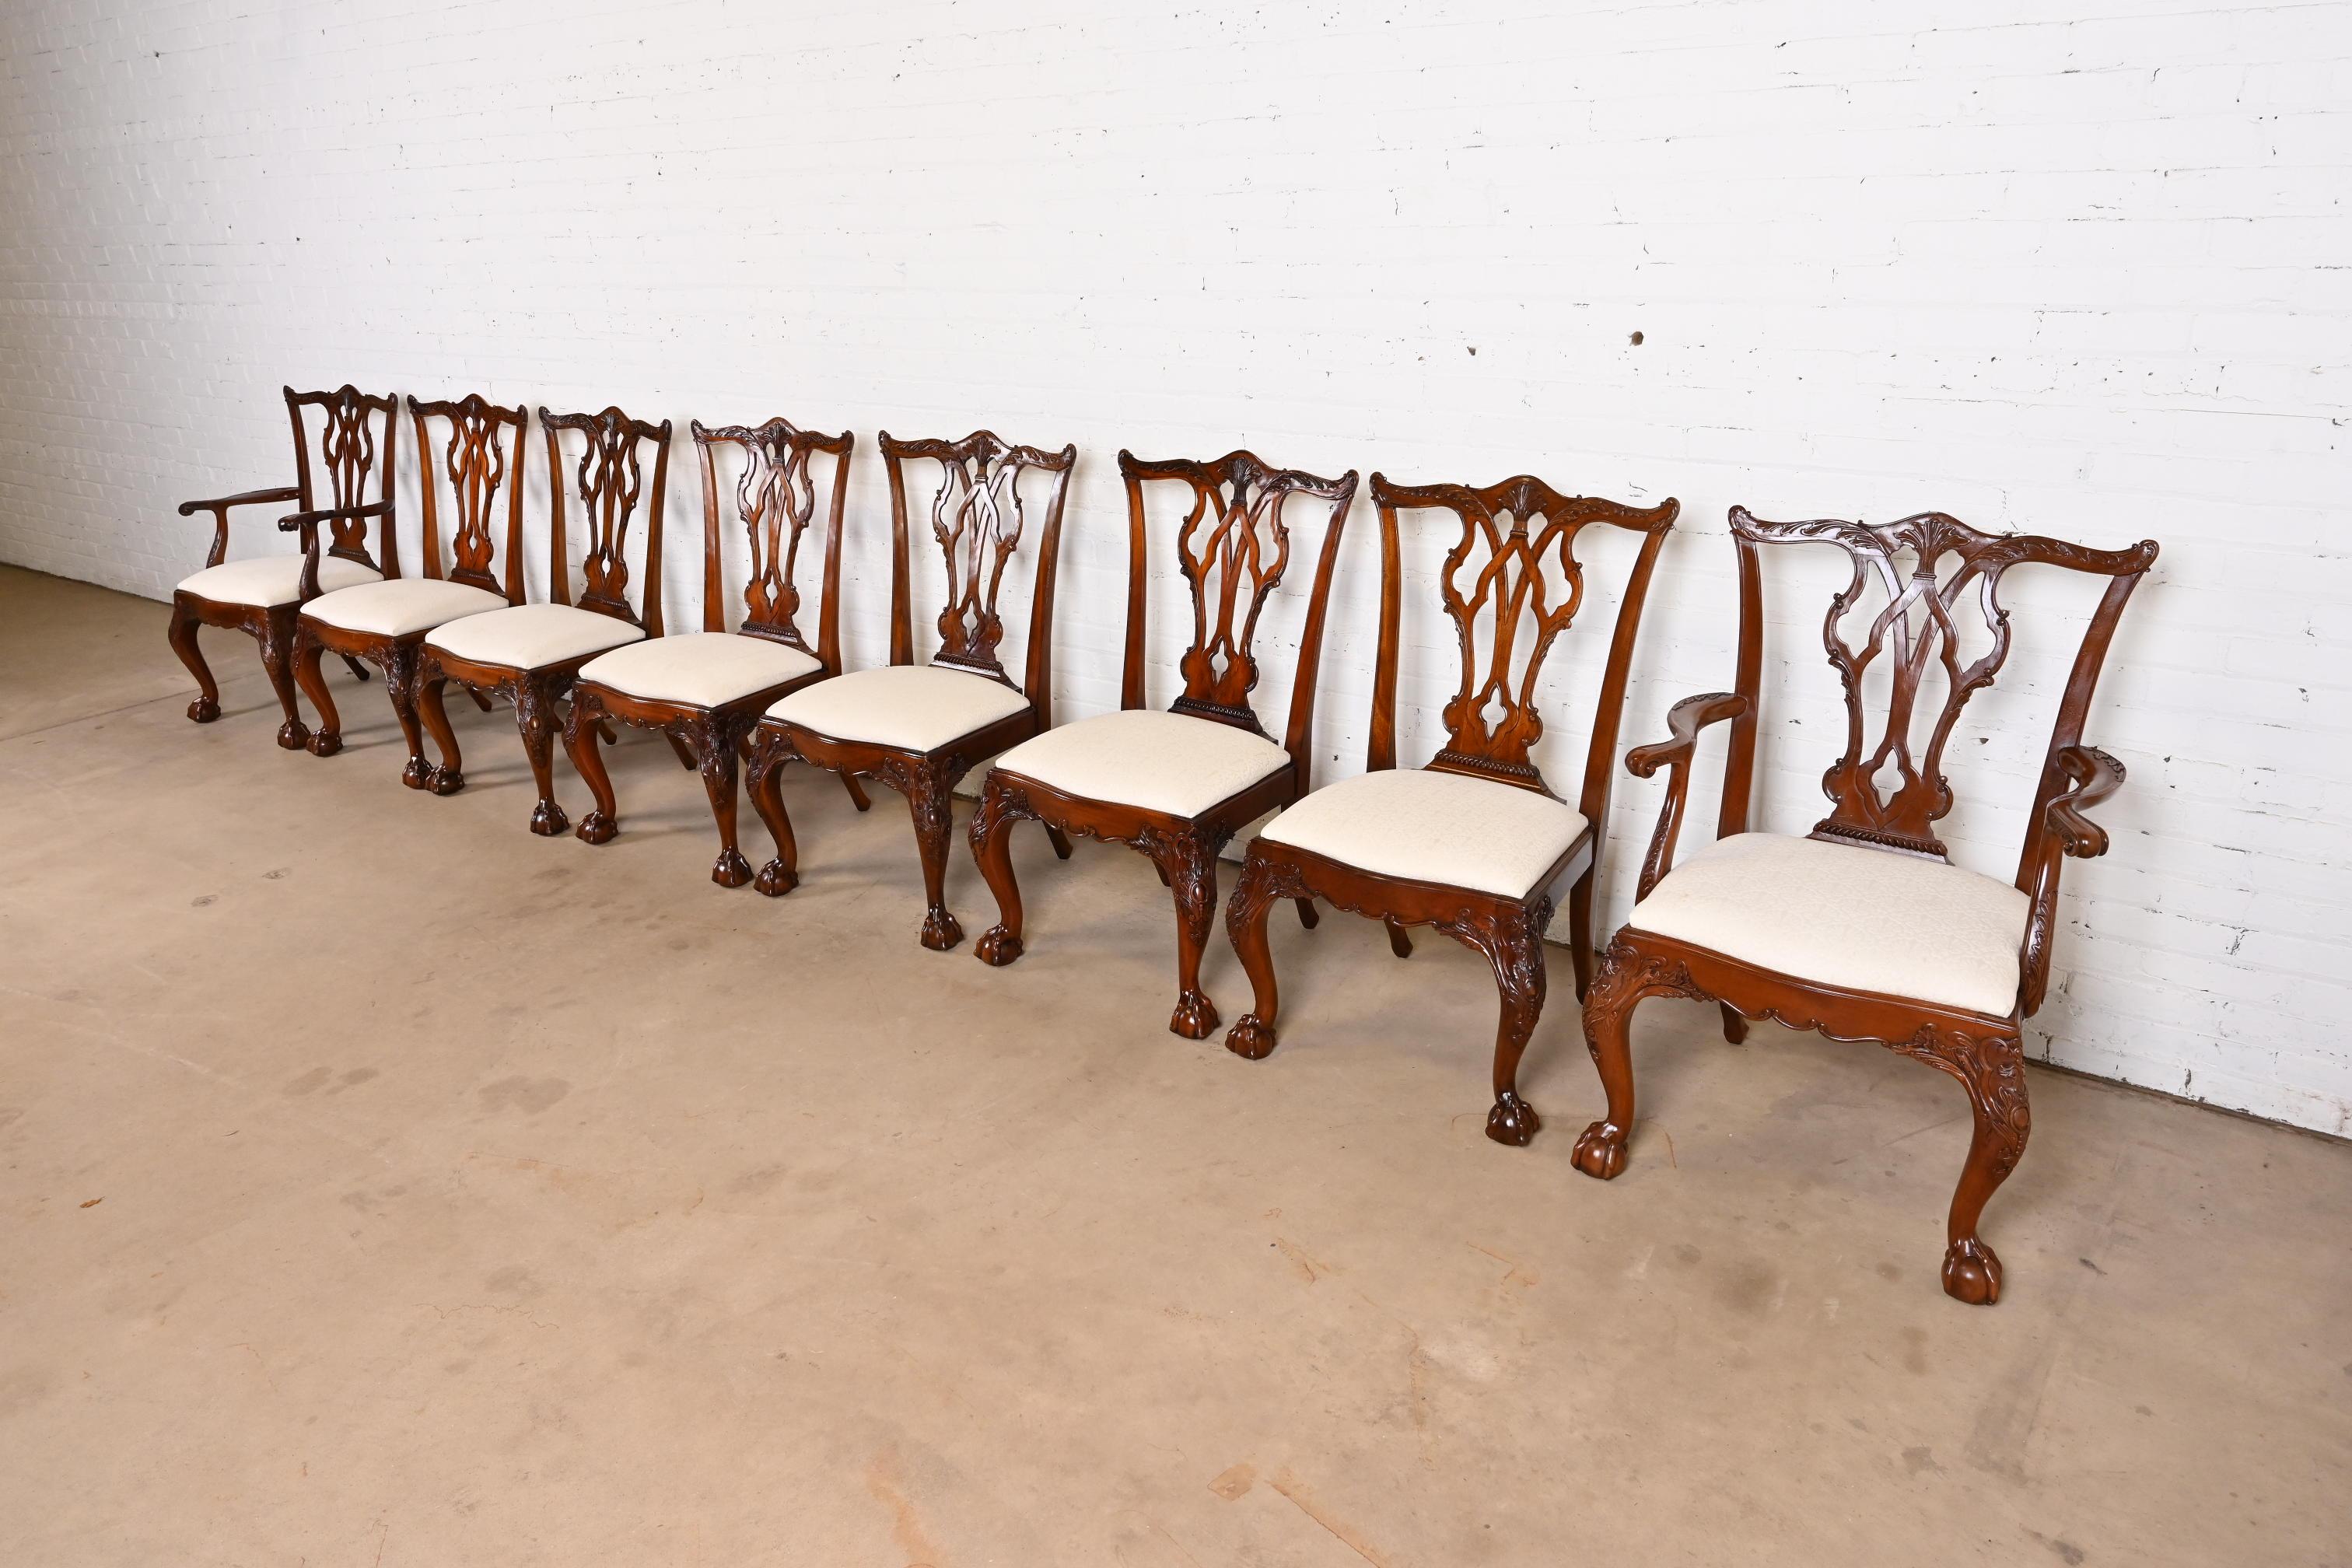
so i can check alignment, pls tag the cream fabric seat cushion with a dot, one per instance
(1432, 827)
(272, 579)
(1866, 919)
(401, 605)
(914, 707)
(526, 637)
(1161, 762)
(699, 669)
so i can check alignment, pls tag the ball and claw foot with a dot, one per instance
(942, 931)
(449, 781)
(997, 947)
(418, 775)
(1601, 1151)
(730, 869)
(1972, 1273)
(546, 819)
(1512, 1121)
(324, 742)
(1251, 1037)
(775, 880)
(202, 711)
(1195, 1017)
(597, 828)
(293, 735)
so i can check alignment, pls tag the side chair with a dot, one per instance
(706, 690)
(919, 728)
(263, 594)
(528, 654)
(385, 622)
(1475, 843)
(1176, 786)
(1862, 929)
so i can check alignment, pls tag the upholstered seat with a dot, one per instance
(914, 707)
(400, 606)
(267, 580)
(527, 637)
(1864, 920)
(1161, 762)
(700, 669)
(1449, 828)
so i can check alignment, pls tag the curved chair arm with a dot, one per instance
(307, 524)
(1684, 723)
(219, 507)
(2096, 775)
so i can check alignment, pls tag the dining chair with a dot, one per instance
(530, 653)
(919, 728)
(1176, 786)
(706, 690)
(385, 622)
(1863, 929)
(263, 596)
(1475, 843)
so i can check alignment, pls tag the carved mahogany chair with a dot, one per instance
(264, 594)
(528, 654)
(1177, 785)
(919, 728)
(385, 622)
(706, 690)
(1863, 929)
(1474, 844)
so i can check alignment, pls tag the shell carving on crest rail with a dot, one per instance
(1886, 793)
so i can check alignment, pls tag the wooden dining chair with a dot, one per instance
(263, 596)
(1176, 786)
(919, 728)
(528, 654)
(706, 690)
(385, 622)
(1475, 843)
(1862, 929)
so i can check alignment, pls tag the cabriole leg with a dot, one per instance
(1607, 1017)
(1189, 866)
(1253, 1033)
(931, 803)
(182, 636)
(582, 743)
(309, 673)
(781, 875)
(715, 752)
(1515, 951)
(278, 661)
(448, 777)
(1993, 1072)
(991, 846)
(400, 681)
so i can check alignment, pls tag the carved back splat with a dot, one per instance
(978, 518)
(1518, 538)
(474, 465)
(1882, 794)
(1232, 549)
(775, 500)
(610, 484)
(348, 454)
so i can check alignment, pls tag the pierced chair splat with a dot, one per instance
(706, 690)
(919, 728)
(1176, 786)
(386, 623)
(530, 653)
(1863, 930)
(263, 596)
(1475, 843)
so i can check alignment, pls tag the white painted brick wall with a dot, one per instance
(2077, 265)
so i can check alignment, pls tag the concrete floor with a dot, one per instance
(380, 1185)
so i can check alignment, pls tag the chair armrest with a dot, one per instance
(244, 497)
(219, 506)
(1684, 723)
(309, 520)
(2096, 775)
